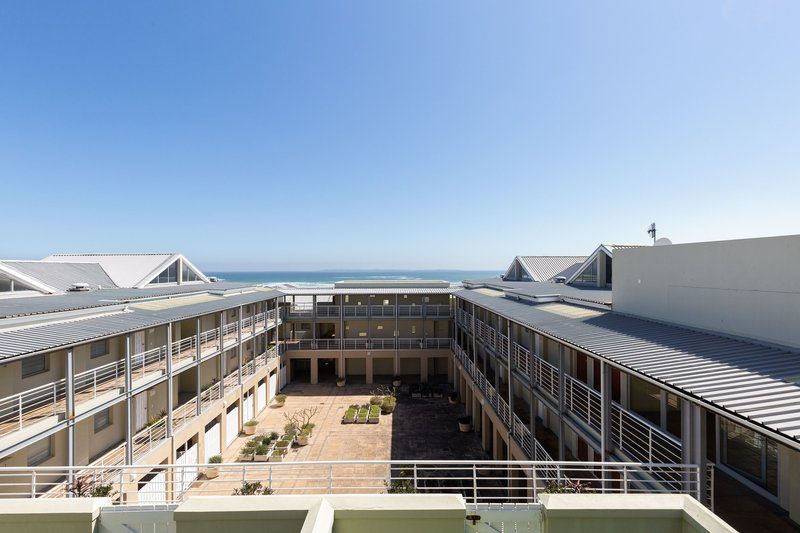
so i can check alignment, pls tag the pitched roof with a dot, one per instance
(608, 249)
(126, 270)
(59, 276)
(547, 267)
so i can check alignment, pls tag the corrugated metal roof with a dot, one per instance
(547, 267)
(61, 276)
(52, 336)
(34, 305)
(532, 288)
(754, 382)
(127, 270)
(367, 290)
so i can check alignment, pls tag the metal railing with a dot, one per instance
(391, 343)
(479, 482)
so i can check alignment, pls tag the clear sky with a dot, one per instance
(279, 135)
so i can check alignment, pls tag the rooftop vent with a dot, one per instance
(79, 287)
(560, 279)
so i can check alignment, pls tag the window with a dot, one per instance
(40, 452)
(102, 420)
(608, 269)
(9, 285)
(645, 400)
(187, 274)
(751, 454)
(98, 348)
(168, 275)
(34, 365)
(589, 274)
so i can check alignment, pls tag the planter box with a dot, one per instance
(374, 419)
(302, 440)
(261, 458)
(275, 458)
(346, 420)
(249, 430)
(361, 420)
(244, 458)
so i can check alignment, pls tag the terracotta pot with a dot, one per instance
(464, 428)
(249, 430)
(212, 472)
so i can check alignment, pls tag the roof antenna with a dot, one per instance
(652, 232)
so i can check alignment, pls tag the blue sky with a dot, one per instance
(267, 135)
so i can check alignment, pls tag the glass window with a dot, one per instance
(34, 365)
(750, 454)
(40, 452)
(589, 274)
(98, 348)
(102, 420)
(168, 275)
(674, 414)
(187, 274)
(608, 269)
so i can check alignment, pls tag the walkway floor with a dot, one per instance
(746, 511)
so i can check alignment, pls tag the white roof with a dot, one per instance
(127, 270)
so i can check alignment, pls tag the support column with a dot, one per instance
(221, 357)
(532, 404)
(423, 368)
(561, 403)
(314, 377)
(239, 344)
(368, 372)
(396, 335)
(170, 386)
(510, 376)
(197, 365)
(128, 406)
(70, 411)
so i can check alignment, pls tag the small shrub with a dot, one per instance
(280, 398)
(376, 400)
(566, 487)
(388, 405)
(215, 459)
(262, 450)
(279, 452)
(253, 488)
(274, 435)
(251, 423)
(102, 490)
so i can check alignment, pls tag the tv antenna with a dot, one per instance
(652, 232)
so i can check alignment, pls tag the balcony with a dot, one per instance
(369, 344)
(48, 402)
(634, 437)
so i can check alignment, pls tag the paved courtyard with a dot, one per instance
(419, 429)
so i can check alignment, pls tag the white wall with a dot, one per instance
(747, 287)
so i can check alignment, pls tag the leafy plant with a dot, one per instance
(215, 459)
(86, 487)
(252, 488)
(376, 400)
(274, 435)
(102, 490)
(280, 398)
(251, 423)
(566, 487)
(402, 484)
(262, 450)
(388, 405)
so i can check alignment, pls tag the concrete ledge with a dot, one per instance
(52, 514)
(655, 513)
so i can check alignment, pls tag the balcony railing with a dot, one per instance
(370, 344)
(632, 434)
(498, 483)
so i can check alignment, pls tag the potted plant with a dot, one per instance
(277, 455)
(303, 437)
(388, 405)
(213, 471)
(374, 416)
(253, 488)
(280, 399)
(250, 427)
(465, 424)
(350, 415)
(362, 415)
(340, 382)
(452, 398)
(396, 381)
(261, 453)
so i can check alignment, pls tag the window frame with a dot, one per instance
(108, 420)
(45, 366)
(106, 348)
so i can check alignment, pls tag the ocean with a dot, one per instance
(324, 278)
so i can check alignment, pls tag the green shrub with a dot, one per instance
(280, 398)
(376, 400)
(262, 450)
(250, 489)
(274, 435)
(388, 405)
(215, 459)
(251, 423)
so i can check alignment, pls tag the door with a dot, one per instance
(261, 395)
(273, 384)
(185, 476)
(154, 490)
(212, 440)
(232, 424)
(247, 407)
(283, 376)
(140, 411)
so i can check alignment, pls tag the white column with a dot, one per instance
(170, 391)
(128, 406)
(239, 342)
(70, 411)
(197, 364)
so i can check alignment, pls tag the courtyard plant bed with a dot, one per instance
(277, 455)
(350, 415)
(261, 453)
(363, 413)
(374, 415)
(247, 451)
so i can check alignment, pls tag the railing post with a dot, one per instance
(33, 483)
(415, 477)
(474, 484)
(625, 479)
(330, 479)
(20, 410)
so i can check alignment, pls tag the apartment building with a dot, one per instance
(697, 363)
(369, 332)
(164, 373)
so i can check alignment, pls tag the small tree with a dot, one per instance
(252, 488)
